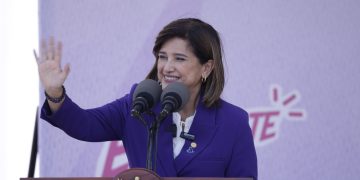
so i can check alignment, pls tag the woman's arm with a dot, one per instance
(104, 123)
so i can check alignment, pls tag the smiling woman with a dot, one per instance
(187, 51)
(201, 41)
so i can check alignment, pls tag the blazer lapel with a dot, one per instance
(204, 128)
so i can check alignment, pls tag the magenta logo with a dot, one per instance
(265, 123)
(112, 160)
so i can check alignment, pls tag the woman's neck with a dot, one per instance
(189, 108)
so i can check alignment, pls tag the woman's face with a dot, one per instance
(176, 62)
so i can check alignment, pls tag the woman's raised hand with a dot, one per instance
(52, 75)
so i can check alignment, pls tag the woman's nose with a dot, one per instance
(169, 66)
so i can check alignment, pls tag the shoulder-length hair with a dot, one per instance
(205, 44)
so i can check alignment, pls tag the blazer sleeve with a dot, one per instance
(243, 162)
(104, 123)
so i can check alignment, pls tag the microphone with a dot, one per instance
(145, 96)
(173, 98)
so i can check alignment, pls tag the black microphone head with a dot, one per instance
(148, 92)
(179, 94)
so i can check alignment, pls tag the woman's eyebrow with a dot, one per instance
(179, 54)
(176, 54)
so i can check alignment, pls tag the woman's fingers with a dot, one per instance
(66, 70)
(43, 50)
(49, 63)
(51, 49)
(58, 52)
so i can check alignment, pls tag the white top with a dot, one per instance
(179, 142)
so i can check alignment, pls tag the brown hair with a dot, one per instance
(205, 44)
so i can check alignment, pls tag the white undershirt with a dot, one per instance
(179, 142)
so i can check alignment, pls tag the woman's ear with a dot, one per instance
(208, 67)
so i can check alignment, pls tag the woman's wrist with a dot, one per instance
(55, 95)
(54, 91)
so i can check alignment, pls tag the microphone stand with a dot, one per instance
(152, 129)
(151, 146)
(153, 143)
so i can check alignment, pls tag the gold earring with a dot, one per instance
(203, 79)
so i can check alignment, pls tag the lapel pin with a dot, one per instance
(190, 150)
(193, 145)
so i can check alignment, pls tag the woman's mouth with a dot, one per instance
(169, 79)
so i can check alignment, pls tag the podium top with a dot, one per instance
(111, 178)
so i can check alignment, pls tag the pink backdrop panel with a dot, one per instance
(293, 65)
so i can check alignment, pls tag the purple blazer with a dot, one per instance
(225, 146)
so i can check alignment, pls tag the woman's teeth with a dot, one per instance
(171, 78)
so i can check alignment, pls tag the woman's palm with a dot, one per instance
(49, 65)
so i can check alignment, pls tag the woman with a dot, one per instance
(187, 51)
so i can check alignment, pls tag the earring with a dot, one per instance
(203, 79)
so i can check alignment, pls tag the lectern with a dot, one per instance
(137, 174)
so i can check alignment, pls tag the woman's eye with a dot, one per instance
(162, 57)
(180, 58)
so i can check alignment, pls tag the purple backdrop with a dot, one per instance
(292, 64)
